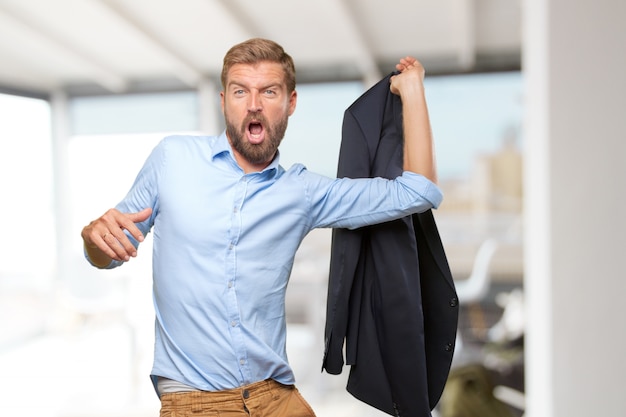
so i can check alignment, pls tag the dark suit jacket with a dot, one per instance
(391, 294)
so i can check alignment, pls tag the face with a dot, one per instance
(256, 106)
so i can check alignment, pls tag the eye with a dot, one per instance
(270, 92)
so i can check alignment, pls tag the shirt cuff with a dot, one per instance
(425, 188)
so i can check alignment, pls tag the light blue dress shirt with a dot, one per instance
(223, 248)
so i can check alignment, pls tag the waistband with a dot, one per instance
(205, 398)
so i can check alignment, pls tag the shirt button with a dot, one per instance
(233, 323)
(242, 361)
(230, 284)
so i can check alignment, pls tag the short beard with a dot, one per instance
(263, 152)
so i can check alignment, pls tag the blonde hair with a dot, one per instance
(257, 50)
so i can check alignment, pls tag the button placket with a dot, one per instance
(240, 191)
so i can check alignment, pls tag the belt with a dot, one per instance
(200, 399)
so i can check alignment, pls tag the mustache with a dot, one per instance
(256, 117)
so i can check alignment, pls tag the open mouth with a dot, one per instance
(255, 132)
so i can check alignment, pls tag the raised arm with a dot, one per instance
(419, 149)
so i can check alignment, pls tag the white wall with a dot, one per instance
(574, 64)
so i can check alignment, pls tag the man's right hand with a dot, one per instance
(105, 239)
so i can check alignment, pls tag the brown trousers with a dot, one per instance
(261, 399)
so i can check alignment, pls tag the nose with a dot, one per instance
(254, 105)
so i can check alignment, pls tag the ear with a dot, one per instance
(293, 98)
(222, 100)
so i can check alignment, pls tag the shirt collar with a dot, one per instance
(221, 145)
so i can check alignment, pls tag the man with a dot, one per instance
(227, 220)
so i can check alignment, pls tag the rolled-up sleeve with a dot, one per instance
(352, 203)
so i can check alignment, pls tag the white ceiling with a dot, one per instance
(99, 46)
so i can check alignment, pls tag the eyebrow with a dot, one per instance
(274, 85)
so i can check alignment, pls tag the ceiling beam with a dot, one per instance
(30, 93)
(467, 33)
(366, 61)
(101, 73)
(185, 71)
(246, 25)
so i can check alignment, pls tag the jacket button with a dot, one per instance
(449, 347)
(454, 302)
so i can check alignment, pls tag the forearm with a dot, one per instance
(419, 150)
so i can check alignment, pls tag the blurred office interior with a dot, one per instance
(526, 116)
